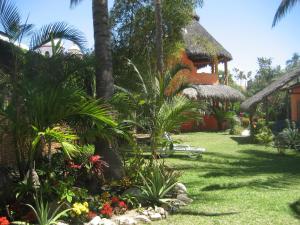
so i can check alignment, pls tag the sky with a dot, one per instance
(243, 27)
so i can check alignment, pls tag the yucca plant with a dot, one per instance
(158, 183)
(43, 212)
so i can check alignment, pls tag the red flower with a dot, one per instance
(94, 158)
(115, 199)
(91, 215)
(4, 221)
(106, 210)
(74, 166)
(122, 204)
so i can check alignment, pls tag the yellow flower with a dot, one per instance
(79, 208)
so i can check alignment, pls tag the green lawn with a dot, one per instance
(237, 183)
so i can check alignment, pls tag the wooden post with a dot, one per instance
(267, 110)
(217, 70)
(288, 103)
(226, 73)
(212, 68)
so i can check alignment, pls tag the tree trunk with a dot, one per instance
(104, 80)
(159, 37)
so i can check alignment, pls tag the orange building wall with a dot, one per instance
(192, 77)
(198, 78)
(295, 100)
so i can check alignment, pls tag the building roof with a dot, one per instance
(215, 92)
(202, 46)
(274, 86)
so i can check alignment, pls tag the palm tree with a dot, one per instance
(16, 30)
(159, 36)
(284, 7)
(294, 61)
(162, 110)
(104, 79)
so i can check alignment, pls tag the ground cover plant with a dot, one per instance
(237, 182)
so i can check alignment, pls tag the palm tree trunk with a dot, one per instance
(159, 36)
(104, 81)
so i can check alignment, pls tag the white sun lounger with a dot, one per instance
(192, 151)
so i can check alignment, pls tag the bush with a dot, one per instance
(236, 130)
(265, 136)
(289, 138)
(245, 122)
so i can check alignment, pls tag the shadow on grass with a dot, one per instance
(295, 207)
(197, 213)
(282, 170)
(275, 182)
(242, 140)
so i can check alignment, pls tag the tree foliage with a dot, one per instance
(133, 29)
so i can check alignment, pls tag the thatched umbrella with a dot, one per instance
(214, 92)
(281, 82)
(201, 46)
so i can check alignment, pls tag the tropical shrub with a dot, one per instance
(289, 138)
(236, 130)
(222, 116)
(158, 110)
(245, 122)
(265, 136)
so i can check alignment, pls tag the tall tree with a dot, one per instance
(102, 37)
(104, 79)
(293, 62)
(284, 7)
(159, 37)
(134, 34)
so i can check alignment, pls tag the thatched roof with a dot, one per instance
(274, 86)
(215, 92)
(200, 45)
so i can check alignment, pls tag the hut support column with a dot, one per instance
(212, 68)
(226, 73)
(288, 103)
(217, 69)
(267, 110)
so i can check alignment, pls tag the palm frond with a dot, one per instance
(174, 70)
(284, 7)
(10, 18)
(140, 77)
(176, 111)
(58, 30)
(74, 3)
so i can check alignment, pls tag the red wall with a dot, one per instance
(209, 123)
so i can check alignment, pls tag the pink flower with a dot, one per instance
(74, 166)
(115, 199)
(94, 158)
(122, 204)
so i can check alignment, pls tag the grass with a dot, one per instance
(237, 183)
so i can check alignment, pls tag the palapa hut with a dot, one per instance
(202, 50)
(289, 82)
